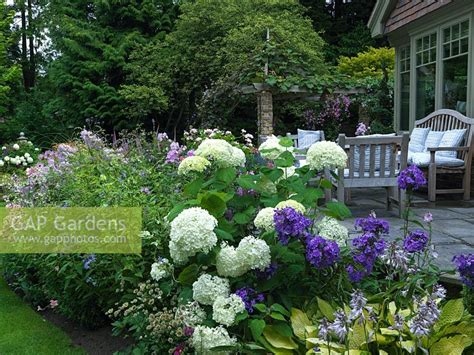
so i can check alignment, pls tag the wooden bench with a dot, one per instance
(443, 120)
(373, 162)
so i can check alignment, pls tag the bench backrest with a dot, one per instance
(375, 157)
(444, 120)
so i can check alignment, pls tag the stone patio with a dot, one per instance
(453, 220)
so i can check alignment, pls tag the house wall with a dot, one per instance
(407, 35)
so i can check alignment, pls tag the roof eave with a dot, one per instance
(379, 14)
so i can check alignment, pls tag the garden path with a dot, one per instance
(453, 220)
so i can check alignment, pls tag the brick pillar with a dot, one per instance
(265, 114)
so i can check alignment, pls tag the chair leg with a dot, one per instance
(348, 197)
(340, 192)
(432, 183)
(466, 185)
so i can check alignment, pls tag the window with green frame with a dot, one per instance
(404, 81)
(455, 66)
(425, 48)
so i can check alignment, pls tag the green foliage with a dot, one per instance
(94, 40)
(10, 72)
(370, 63)
(220, 45)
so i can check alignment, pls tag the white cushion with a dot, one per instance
(377, 154)
(418, 138)
(433, 139)
(307, 138)
(423, 160)
(415, 148)
(451, 138)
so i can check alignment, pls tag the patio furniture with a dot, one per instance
(450, 154)
(304, 139)
(373, 161)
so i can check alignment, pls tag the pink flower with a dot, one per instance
(53, 304)
(428, 217)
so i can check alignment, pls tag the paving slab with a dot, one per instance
(453, 222)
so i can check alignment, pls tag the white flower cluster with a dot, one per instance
(207, 288)
(264, 219)
(23, 160)
(205, 338)
(192, 231)
(225, 309)
(193, 164)
(271, 148)
(247, 138)
(161, 269)
(191, 313)
(330, 228)
(326, 154)
(220, 152)
(251, 254)
(298, 207)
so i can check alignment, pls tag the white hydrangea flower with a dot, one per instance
(330, 228)
(29, 160)
(193, 164)
(2, 162)
(161, 269)
(254, 252)
(15, 146)
(238, 157)
(264, 219)
(205, 338)
(218, 151)
(225, 309)
(326, 154)
(192, 231)
(228, 262)
(291, 203)
(191, 313)
(271, 148)
(207, 288)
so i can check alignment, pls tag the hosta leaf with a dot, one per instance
(451, 345)
(299, 322)
(326, 309)
(277, 340)
(357, 336)
(452, 312)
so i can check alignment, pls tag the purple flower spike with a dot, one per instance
(411, 178)
(416, 241)
(372, 224)
(321, 253)
(465, 267)
(290, 223)
(250, 297)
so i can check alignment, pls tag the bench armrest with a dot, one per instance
(448, 149)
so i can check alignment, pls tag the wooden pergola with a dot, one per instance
(266, 95)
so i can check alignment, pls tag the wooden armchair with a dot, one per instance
(443, 120)
(373, 161)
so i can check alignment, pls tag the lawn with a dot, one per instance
(25, 332)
